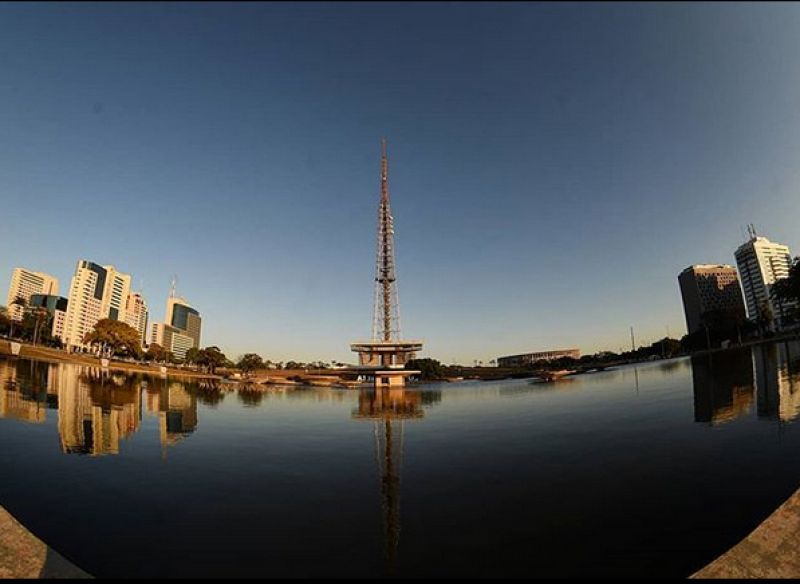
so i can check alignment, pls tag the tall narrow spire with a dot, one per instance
(386, 317)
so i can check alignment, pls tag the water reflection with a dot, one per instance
(175, 407)
(777, 380)
(727, 382)
(723, 385)
(96, 409)
(389, 408)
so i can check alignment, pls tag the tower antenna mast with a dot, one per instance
(386, 320)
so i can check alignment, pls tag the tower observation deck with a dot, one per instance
(384, 356)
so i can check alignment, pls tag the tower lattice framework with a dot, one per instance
(386, 316)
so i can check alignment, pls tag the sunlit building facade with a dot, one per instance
(136, 314)
(56, 307)
(24, 284)
(96, 292)
(761, 263)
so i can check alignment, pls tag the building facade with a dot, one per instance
(136, 314)
(171, 339)
(183, 317)
(711, 296)
(530, 358)
(761, 263)
(56, 307)
(96, 292)
(24, 284)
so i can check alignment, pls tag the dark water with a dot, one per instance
(650, 470)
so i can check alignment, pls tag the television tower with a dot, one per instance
(383, 358)
(386, 317)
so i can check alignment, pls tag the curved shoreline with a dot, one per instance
(23, 555)
(771, 550)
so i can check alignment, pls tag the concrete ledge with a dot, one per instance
(772, 550)
(23, 555)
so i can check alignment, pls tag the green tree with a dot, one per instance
(786, 291)
(430, 369)
(18, 301)
(192, 356)
(113, 337)
(155, 352)
(249, 362)
(42, 319)
(211, 358)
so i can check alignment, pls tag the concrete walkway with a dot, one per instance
(772, 550)
(23, 555)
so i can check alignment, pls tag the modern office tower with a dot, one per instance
(136, 314)
(96, 292)
(528, 358)
(24, 284)
(56, 307)
(711, 296)
(180, 330)
(183, 317)
(761, 263)
(172, 339)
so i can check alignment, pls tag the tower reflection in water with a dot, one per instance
(96, 408)
(389, 409)
(725, 383)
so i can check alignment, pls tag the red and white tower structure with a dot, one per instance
(385, 355)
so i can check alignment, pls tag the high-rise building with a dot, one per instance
(183, 317)
(711, 296)
(96, 292)
(56, 307)
(761, 263)
(24, 284)
(180, 330)
(136, 314)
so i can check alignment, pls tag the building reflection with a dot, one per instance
(26, 391)
(96, 409)
(777, 375)
(723, 385)
(389, 408)
(175, 407)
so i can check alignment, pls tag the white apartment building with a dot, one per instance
(96, 292)
(136, 314)
(761, 263)
(24, 284)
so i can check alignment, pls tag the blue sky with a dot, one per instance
(552, 167)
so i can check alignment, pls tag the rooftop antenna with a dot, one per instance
(173, 286)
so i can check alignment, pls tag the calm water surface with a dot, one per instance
(647, 470)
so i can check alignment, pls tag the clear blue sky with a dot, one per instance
(552, 167)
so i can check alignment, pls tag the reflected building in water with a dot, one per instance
(96, 411)
(776, 368)
(26, 391)
(723, 385)
(727, 382)
(175, 407)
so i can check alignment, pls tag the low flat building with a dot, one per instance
(530, 358)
